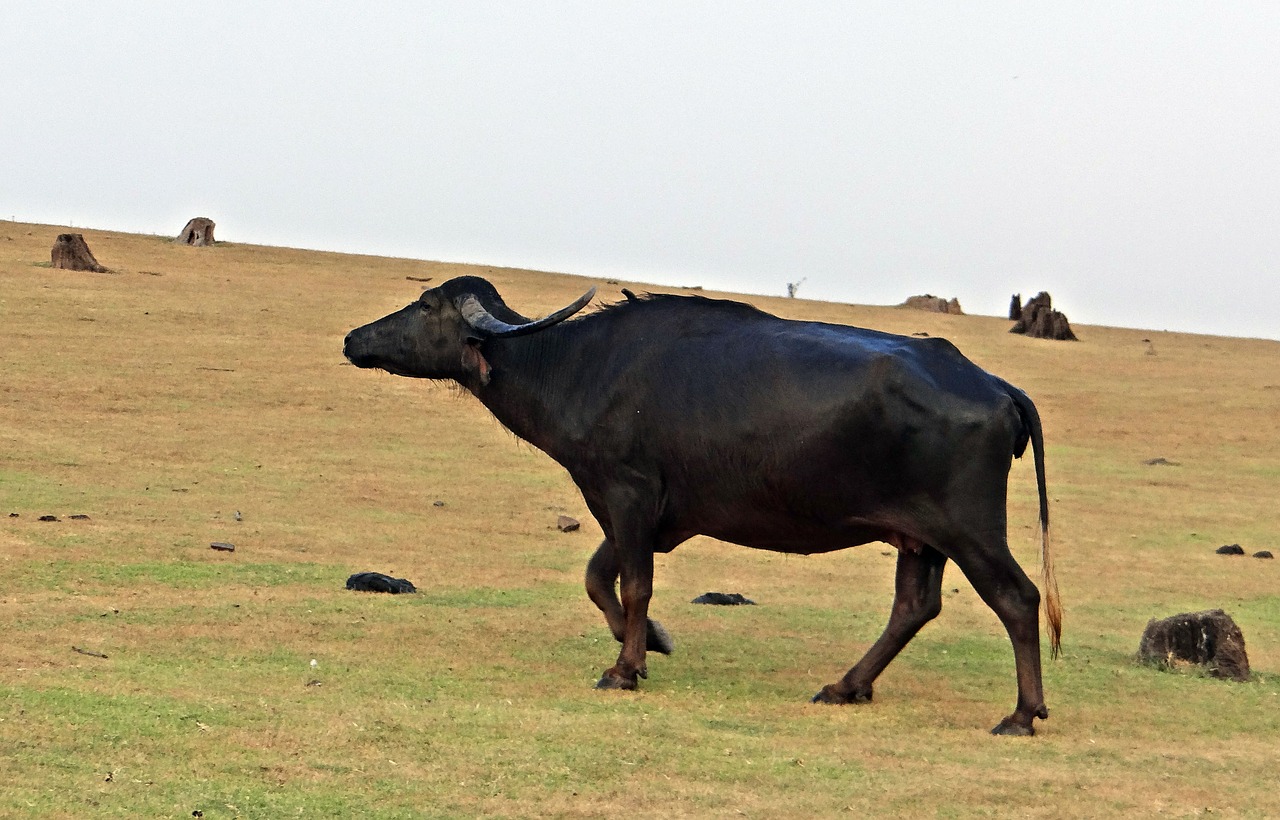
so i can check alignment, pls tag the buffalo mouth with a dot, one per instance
(378, 363)
(371, 361)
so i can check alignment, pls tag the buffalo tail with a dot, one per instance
(1048, 579)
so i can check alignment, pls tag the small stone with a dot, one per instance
(79, 517)
(1263, 554)
(723, 599)
(48, 518)
(378, 582)
(437, 503)
(222, 546)
(1230, 549)
(566, 524)
(91, 653)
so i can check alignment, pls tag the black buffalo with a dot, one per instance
(680, 415)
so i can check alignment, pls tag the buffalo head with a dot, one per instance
(439, 336)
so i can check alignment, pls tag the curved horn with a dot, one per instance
(480, 319)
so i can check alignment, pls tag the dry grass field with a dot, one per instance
(189, 384)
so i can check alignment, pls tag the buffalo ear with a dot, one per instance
(474, 362)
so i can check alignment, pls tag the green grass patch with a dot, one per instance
(181, 574)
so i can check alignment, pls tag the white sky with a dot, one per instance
(1123, 156)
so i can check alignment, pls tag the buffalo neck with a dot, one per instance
(536, 385)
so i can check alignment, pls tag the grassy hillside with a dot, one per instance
(190, 384)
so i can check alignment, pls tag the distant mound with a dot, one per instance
(1037, 318)
(933, 304)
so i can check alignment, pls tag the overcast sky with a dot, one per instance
(1123, 156)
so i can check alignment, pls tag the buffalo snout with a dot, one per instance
(349, 348)
(356, 347)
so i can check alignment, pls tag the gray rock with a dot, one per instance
(377, 582)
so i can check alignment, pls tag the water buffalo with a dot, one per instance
(680, 415)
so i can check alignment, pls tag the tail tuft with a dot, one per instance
(1052, 599)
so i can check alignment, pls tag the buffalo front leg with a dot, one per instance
(633, 550)
(917, 600)
(602, 579)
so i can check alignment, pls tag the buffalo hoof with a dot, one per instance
(614, 680)
(830, 694)
(658, 639)
(1009, 727)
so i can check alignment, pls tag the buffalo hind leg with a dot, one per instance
(602, 579)
(917, 600)
(1002, 584)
